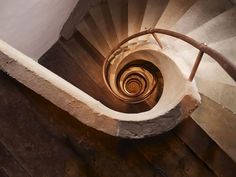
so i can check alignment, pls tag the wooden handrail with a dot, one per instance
(225, 63)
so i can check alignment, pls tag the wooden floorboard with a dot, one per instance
(205, 148)
(171, 157)
(39, 150)
(9, 166)
(46, 141)
(3, 173)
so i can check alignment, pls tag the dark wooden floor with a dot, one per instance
(38, 139)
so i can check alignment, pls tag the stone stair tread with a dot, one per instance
(83, 28)
(135, 15)
(217, 29)
(84, 60)
(109, 23)
(153, 12)
(177, 7)
(221, 93)
(96, 13)
(97, 33)
(201, 12)
(226, 47)
(219, 123)
(119, 12)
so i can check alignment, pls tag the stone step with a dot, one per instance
(214, 71)
(84, 29)
(201, 12)
(176, 7)
(219, 123)
(217, 29)
(136, 11)
(102, 17)
(109, 23)
(153, 12)
(119, 13)
(90, 30)
(84, 60)
(221, 93)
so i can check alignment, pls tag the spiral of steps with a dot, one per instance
(140, 86)
(147, 76)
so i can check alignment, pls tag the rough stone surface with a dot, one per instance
(160, 124)
(150, 127)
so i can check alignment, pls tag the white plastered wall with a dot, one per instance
(33, 26)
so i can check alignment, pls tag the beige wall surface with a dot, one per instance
(33, 26)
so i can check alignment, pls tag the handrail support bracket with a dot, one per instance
(157, 40)
(196, 65)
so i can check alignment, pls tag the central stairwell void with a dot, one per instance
(127, 67)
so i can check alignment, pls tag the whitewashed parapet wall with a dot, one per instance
(33, 26)
(90, 111)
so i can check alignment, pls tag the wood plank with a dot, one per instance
(206, 149)
(40, 151)
(172, 158)
(3, 173)
(9, 165)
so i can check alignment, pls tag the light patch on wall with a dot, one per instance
(33, 26)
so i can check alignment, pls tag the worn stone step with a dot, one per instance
(176, 7)
(219, 123)
(201, 12)
(119, 13)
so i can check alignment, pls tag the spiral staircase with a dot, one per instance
(135, 69)
(119, 53)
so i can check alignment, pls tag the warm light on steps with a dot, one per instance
(88, 110)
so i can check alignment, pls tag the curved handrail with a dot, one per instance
(225, 63)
